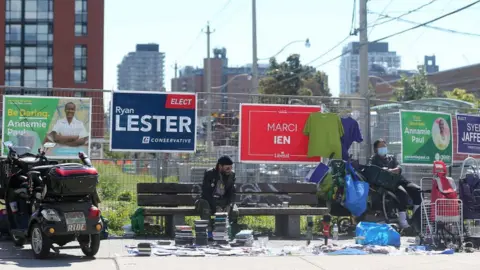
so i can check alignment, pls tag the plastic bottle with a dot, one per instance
(335, 232)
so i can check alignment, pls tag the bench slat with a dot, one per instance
(189, 200)
(243, 211)
(172, 188)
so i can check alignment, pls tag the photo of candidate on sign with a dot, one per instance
(441, 134)
(29, 122)
(153, 122)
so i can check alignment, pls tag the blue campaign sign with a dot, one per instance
(153, 122)
(468, 134)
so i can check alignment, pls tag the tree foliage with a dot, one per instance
(292, 78)
(415, 87)
(462, 94)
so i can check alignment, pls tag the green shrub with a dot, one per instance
(118, 215)
(126, 196)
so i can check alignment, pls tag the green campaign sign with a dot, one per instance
(29, 122)
(426, 137)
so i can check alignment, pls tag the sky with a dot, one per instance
(177, 27)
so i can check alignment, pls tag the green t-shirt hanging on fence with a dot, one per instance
(324, 131)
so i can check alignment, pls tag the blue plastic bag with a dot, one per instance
(356, 193)
(369, 233)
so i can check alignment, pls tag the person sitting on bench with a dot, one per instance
(218, 193)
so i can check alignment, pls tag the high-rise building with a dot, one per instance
(224, 80)
(430, 64)
(378, 53)
(142, 70)
(47, 44)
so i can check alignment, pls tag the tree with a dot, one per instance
(415, 87)
(317, 83)
(293, 78)
(304, 92)
(462, 94)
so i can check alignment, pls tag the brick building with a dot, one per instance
(47, 44)
(236, 80)
(466, 77)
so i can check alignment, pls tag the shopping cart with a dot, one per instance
(441, 211)
(469, 185)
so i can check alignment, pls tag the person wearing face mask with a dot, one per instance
(382, 159)
(218, 192)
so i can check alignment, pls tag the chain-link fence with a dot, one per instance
(386, 125)
(120, 172)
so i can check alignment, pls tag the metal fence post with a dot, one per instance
(158, 170)
(368, 132)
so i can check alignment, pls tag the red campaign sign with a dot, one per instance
(274, 133)
(180, 101)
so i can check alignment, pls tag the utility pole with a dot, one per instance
(175, 67)
(254, 48)
(364, 75)
(209, 93)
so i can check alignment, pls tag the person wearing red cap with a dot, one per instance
(218, 192)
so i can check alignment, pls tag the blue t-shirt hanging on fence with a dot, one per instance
(351, 134)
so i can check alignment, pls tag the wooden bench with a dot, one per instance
(175, 201)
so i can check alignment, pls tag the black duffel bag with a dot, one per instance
(379, 177)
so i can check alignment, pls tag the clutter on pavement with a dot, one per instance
(221, 228)
(258, 249)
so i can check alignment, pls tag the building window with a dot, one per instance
(80, 75)
(81, 18)
(80, 60)
(13, 33)
(12, 77)
(38, 77)
(13, 55)
(38, 55)
(37, 10)
(13, 10)
(38, 33)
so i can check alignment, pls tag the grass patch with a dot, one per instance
(118, 193)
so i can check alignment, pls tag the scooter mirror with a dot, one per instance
(49, 145)
(8, 143)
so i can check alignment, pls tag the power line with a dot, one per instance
(200, 33)
(429, 22)
(424, 30)
(222, 9)
(383, 38)
(431, 26)
(400, 16)
(329, 50)
(383, 11)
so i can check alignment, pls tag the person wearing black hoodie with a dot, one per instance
(218, 192)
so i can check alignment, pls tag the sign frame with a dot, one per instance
(154, 93)
(401, 137)
(90, 137)
(270, 161)
(458, 133)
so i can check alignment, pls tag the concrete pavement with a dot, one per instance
(113, 256)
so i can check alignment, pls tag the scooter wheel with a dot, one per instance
(90, 248)
(41, 244)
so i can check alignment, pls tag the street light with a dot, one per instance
(249, 77)
(306, 42)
